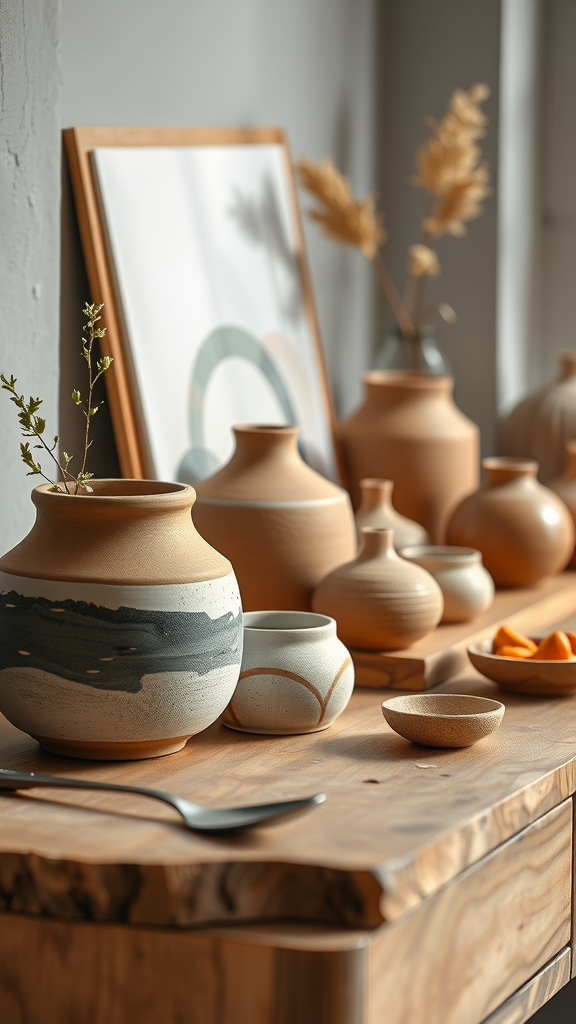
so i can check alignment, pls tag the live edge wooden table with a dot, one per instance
(433, 887)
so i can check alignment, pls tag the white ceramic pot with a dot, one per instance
(467, 586)
(296, 675)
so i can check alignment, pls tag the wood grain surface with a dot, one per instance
(442, 654)
(400, 821)
(54, 972)
(461, 954)
(528, 999)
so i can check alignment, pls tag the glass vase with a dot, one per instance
(419, 353)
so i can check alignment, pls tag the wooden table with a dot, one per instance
(433, 887)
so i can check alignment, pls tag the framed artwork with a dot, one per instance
(192, 239)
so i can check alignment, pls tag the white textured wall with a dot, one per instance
(306, 65)
(29, 230)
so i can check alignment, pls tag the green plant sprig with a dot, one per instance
(34, 426)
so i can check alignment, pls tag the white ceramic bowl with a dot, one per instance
(296, 675)
(467, 587)
(524, 675)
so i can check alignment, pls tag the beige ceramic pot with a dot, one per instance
(296, 675)
(282, 525)
(380, 601)
(565, 487)
(121, 628)
(376, 510)
(523, 529)
(467, 588)
(539, 426)
(408, 430)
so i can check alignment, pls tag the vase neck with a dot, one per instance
(502, 470)
(254, 443)
(395, 387)
(567, 364)
(374, 543)
(375, 494)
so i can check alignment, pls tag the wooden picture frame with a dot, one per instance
(83, 144)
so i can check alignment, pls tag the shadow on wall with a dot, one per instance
(74, 292)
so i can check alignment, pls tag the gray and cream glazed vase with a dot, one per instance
(120, 627)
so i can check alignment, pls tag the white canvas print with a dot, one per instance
(203, 246)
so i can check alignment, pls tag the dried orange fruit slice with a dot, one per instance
(554, 647)
(506, 637)
(572, 641)
(514, 652)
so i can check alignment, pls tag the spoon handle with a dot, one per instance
(12, 780)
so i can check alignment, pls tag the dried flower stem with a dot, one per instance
(389, 288)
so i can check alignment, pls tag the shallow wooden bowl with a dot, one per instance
(443, 719)
(541, 678)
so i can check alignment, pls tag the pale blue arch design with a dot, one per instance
(223, 343)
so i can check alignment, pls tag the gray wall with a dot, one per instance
(29, 226)
(308, 66)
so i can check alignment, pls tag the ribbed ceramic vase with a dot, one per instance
(408, 430)
(524, 531)
(380, 602)
(377, 511)
(541, 424)
(121, 628)
(565, 487)
(281, 524)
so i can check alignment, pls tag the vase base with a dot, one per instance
(275, 732)
(105, 750)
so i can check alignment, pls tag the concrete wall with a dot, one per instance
(307, 65)
(29, 226)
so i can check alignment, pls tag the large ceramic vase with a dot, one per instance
(565, 487)
(524, 531)
(380, 602)
(377, 511)
(282, 525)
(121, 628)
(408, 430)
(540, 425)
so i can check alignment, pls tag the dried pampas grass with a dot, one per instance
(343, 218)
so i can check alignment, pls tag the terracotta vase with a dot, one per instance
(281, 524)
(540, 425)
(376, 510)
(121, 628)
(296, 675)
(565, 487)
(408, 430)
(380, 601)
(523, 529)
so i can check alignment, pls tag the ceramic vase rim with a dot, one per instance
(441, 553)
(305, 624)
(125, 492)
(411, 380)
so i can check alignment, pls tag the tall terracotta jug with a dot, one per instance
(281, 524)
(541, 424)
(408, 430)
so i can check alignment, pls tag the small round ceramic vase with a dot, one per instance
(523, 530)
(408, 430)
(380, 602)
(281, 524)
(565, 487)
(376, 510)
(120, 627)
(467, 588)
(296, 675)
(541, 424)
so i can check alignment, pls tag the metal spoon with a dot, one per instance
(197, 817)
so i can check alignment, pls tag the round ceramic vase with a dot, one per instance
(467, 587)
(281, 524)
(523, 530)
(120, 628)
(376, 510)
(541, 424)
(408, 430)
(380, 602)
(565, 487)
(296, 675)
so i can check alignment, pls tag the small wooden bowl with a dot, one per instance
(443, 719)
(519, 675)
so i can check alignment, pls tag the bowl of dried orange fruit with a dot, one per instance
(544, 666)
